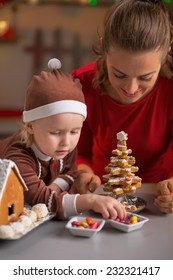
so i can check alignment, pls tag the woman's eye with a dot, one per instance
(146, 78)
(119, 76)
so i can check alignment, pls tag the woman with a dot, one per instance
(130, 88)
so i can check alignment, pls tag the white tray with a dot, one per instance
(30, 228)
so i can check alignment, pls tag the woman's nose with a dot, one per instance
(131, 86)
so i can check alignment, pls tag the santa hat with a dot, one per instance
(52, 93)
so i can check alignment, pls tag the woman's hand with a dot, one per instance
(85, 183)
(164, 201)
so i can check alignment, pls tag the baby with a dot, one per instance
(45, 148)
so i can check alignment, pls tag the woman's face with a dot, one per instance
(132, 75)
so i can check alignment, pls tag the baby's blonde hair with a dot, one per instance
(26, 137)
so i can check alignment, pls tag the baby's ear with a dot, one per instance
(29, 128)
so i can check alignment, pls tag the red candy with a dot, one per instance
(76, 223)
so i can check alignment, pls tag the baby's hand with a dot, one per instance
(85, 183)
(164, 201)
(107, 206)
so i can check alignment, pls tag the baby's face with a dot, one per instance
(57, 135)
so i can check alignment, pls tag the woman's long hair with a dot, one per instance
(135, 26)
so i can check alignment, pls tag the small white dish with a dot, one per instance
(129, 227)
(85, 232)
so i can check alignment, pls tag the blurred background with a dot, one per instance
(32, 32)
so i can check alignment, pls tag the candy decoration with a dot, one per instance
(95, 225)
(133, 220)
(130, 219)
(88, 223)
(75, 223)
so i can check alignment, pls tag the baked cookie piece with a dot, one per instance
(107, 188)
(128, 207)
(117, 191)
(131, 160)
(119, 162)
(122, 154)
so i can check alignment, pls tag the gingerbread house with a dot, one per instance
(12, 187)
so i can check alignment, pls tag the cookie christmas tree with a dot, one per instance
(120, 175)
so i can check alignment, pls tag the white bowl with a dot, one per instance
(85, 232)
(129, 227)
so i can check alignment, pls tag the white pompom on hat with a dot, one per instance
(51, 93)
(54, 63)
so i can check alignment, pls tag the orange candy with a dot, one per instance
(89, 221)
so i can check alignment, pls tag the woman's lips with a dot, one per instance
(131, 94)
